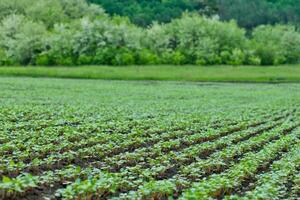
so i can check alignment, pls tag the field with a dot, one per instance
(100, 139)
(266, 74)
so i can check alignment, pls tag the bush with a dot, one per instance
(89, 36)
(237, 57)
(201, 61)
(76, 9)
(42, 60)
(276, 44)
(253, 60)
(85, 60)
(46, 59)
(8, 7)
(47, 11)
(21, 38)
(60, 45)
(4, 60)
(123, 57)
(64, 61)
(173, 57)
(112, 42)
(156, 39)
(114, 56)
(200, 40)
(145, 57)
(104, 56)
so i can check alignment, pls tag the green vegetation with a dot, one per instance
(251, 13)
(176, 73)
(131, 135)
(78, 33)
(95, 139)
(144, 12)
(248, 13)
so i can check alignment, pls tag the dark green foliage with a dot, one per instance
(144, 12)
(123, 56)
(248, 13)
(42, 60)
(174, 57)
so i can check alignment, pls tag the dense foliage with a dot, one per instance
(144, 12)
(248, 13)
(251, 13)
(73, 32)
(91, 139)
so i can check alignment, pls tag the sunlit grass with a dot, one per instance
(289, 73)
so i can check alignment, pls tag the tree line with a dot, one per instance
(75, 32)
(248, 13)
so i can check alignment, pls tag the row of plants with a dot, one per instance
(295, 191)
(50, 156)
(126, 179)
(165, 153)
(274, 184)
(99, 186)
(31, 37)
(97, 131)
(221, 184)
(122, 140)
(199, 168)
(54, 177)
(25, 183)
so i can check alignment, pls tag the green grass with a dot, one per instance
(290, 73)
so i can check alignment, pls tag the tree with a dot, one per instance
(22, 38)
(47, 11)
(250, 14)
(144, 12)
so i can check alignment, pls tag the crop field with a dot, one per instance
(96, 139)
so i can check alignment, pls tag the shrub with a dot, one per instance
(276, 44)
(21, 38)
(47, 11)
(108, 41)
(85, 60)
(43, 60)
(76, 9)
(157, 39)
(89, 36)
(144, 57)
(173, 57)
(4, 59)
(104, 56)
(60, 45)
(8, 7)
(114, 56)
(237, 57)
(253, 60)
(200, 40)
(64, 61)
(201, 61)
(123, 57)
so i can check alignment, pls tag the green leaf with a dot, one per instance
(6, 179)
